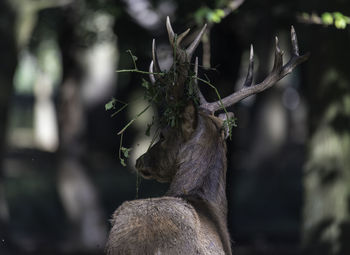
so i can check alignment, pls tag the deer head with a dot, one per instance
(197, 122)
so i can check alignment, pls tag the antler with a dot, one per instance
(182, 55)
(278, 72)
(202, 100)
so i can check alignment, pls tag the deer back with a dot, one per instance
(165, 225)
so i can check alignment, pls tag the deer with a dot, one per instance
(191, 218)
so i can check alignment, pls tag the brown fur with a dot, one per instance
(164, 225)
(191, 218)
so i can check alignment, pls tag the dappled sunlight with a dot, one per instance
(327, 182)
(141, 142)
(25, 73)
(272, 131)
(288, 167)
(48, 76)
(36, 79)
(45, 122)
(326, 186)
(137, 105)
(275, 123)
(100, 80)
(79, 198)
(142, 11)
(327, 144)
(147, 15)
(100, 60)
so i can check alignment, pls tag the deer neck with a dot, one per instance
(201, 177)
(202, 166)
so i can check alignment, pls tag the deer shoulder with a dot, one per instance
(165, 225)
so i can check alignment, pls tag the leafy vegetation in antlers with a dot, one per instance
(155, 92)
(163, 83)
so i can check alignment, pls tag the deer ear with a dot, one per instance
(189, 121)
(223, 117)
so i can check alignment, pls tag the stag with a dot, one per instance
(191, 218)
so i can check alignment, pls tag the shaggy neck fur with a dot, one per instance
(201, 177)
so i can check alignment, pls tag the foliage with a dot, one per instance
(123, 154)
(205, 14)
(339, 20)
(155, 94)
(112, 105)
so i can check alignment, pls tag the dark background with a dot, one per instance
(60, 176)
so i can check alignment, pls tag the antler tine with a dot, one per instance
(249, 78)
(171, 33)
(278, 62)
(151, 75)
(294, 39)
(176, 40)
(190, 49)
(181, 37)
(278, 72)
(202, 100)
(155, 57)
(296, 59)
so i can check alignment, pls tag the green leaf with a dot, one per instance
(215, 15)
(338, 15)
(340, 20)
(340, 23)
(201, 14)
(229, 124)
(122, 161)
(347, 19)
(212, 17)
(145, 84)
(220, 13)
(305, 15)
(327, 18)
(125, 151)
(134, 58)
(110, 104)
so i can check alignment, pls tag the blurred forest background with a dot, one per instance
(60, 176)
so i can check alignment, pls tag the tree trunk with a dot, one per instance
(77, 191)
(326, 224)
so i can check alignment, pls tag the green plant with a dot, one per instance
(337, 19)
(154, 94)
